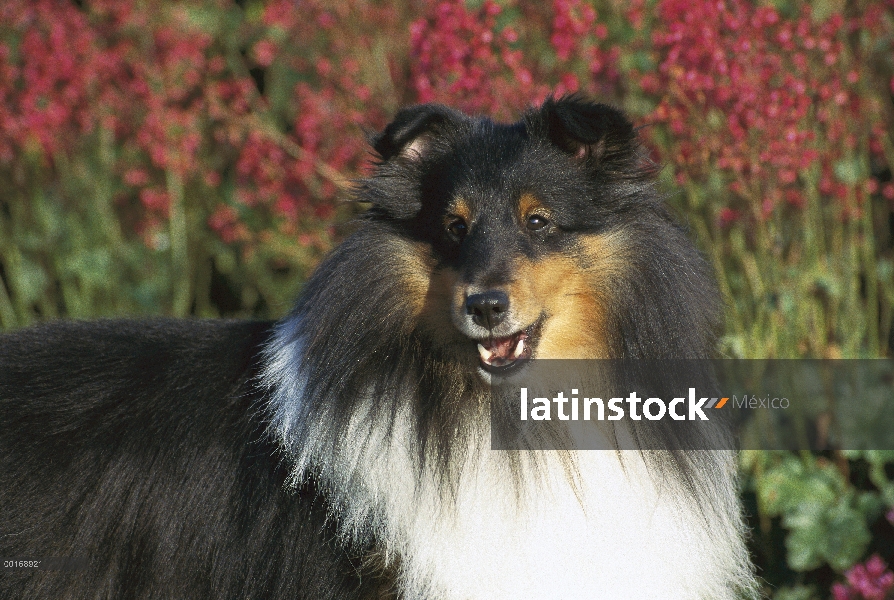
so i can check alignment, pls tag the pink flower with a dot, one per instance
(265, 52)
(869, 581)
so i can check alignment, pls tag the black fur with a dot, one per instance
(140, 447)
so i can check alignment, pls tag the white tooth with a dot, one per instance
(485, 353)
(519, 348)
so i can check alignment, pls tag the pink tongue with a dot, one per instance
(503, 347)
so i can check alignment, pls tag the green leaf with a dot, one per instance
(31, 281)
(849, 171)
(93, 265)
(870, 505)
(847, 537)
(823, 9)
(879, 457)
(791, 488)
(885, 269)
(206, 20)
(806, 547)
(799, 592)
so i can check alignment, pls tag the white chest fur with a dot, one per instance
(618, 532)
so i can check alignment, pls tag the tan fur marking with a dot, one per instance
(574, 293)
(459, 208)
(573, 290)
(443, 293)
(438, 299)
(414, 269)
(557, 287)
(605, 255)
(529, 204)
(429, 291)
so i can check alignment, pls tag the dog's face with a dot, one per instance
(512, 236)
(516, 278)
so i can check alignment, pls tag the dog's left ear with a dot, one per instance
(589, 131)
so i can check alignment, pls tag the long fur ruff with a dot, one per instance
(504, 524)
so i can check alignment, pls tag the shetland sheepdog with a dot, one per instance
(345, 451)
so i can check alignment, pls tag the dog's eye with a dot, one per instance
(457, 229)
(536, 222)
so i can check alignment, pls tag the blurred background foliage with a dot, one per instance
(192, 158)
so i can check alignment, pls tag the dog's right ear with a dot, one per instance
(414, 133)
(411, 132)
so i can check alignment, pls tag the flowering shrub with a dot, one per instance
(457, 49)
(499, 59)
(177, 118)
(778, 115)
(872, 581)
(189, 157)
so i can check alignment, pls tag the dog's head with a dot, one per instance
(488, 244)
(517, 234)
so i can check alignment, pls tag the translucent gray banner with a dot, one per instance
(768, 404)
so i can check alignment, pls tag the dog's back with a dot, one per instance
(137, 449)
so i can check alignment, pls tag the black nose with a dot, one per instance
(488, 309)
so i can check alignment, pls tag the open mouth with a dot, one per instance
(501, 355)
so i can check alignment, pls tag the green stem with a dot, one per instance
(179, 245)
(871, 273)
(7, 312)
(104, 195)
